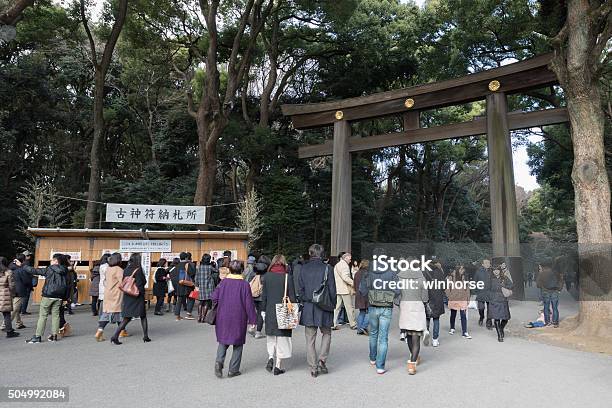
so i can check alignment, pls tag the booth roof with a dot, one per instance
(143, 234)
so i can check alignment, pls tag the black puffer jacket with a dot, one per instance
(56, 281)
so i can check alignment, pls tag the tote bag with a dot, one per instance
(287, 314)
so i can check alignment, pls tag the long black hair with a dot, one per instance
(3, 264)
(104, 259)
(135, 261)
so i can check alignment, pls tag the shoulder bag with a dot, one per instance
(128, 285)
(211, 315)
(321, 296)
(287, 314)
(187, 279)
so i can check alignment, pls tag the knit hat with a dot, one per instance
(250, 260)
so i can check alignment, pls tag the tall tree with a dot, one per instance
(214, 108)
(582, 55)
(13, 13)
(100, 69)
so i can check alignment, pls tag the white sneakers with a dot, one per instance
(380, 371)
(435, 342)
(467, 336)
(451, 331)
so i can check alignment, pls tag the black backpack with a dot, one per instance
(56, 285)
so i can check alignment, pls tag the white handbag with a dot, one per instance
(287, 314)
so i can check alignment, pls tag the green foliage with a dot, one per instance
(333, 49)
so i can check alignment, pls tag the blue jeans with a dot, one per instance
(551, 298)
(463, 315)
(436, 327)
(380, 320)
(362, 319)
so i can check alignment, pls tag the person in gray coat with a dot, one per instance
(314, 318)
(482, 295)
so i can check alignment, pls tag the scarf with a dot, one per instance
(278, 268)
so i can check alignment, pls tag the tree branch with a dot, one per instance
(15, 13)
(92, 44)
(114, 36)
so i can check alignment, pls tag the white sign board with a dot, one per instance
(125, 256)
(155, 214)
(218, 254)
(169, 256)
(142, 245)
(145, 261)
(74, 255)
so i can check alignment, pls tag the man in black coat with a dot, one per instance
(23, 285)
(311, 277)
(29, 261)
(186, 272)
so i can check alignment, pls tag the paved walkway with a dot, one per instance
(176, 369)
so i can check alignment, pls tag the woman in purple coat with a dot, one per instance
(235, 310)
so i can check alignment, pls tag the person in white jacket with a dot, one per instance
(345, 289)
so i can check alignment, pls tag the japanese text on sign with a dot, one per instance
(155, 214)
(142, 245)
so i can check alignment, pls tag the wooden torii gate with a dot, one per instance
(492, 85)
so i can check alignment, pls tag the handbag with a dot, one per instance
(321, 297)
(187, 280)
(195, 294)
(287, 314)
(170, 287)
(128, 285)
(211, 315)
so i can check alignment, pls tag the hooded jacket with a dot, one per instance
(56, 281)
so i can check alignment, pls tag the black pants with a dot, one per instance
(61, 313)
(183, 302)
(24, 303)
(260, 320)
(171, 299)
(95, 304)
(159, 304)
(7, 322)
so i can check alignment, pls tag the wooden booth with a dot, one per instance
(87, 246)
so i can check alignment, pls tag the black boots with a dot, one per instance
(500, 331)
(489, 324)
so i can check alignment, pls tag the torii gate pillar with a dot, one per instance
(341, 190)
(504, 216)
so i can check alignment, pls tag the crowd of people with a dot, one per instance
(243, 299)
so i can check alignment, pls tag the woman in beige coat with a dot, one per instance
(458, 300)
(113, 296)
(412, 319)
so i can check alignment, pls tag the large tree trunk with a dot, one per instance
(100, 70)
(93, 193)
(13, 14)
(208, 134)
(578, 49)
